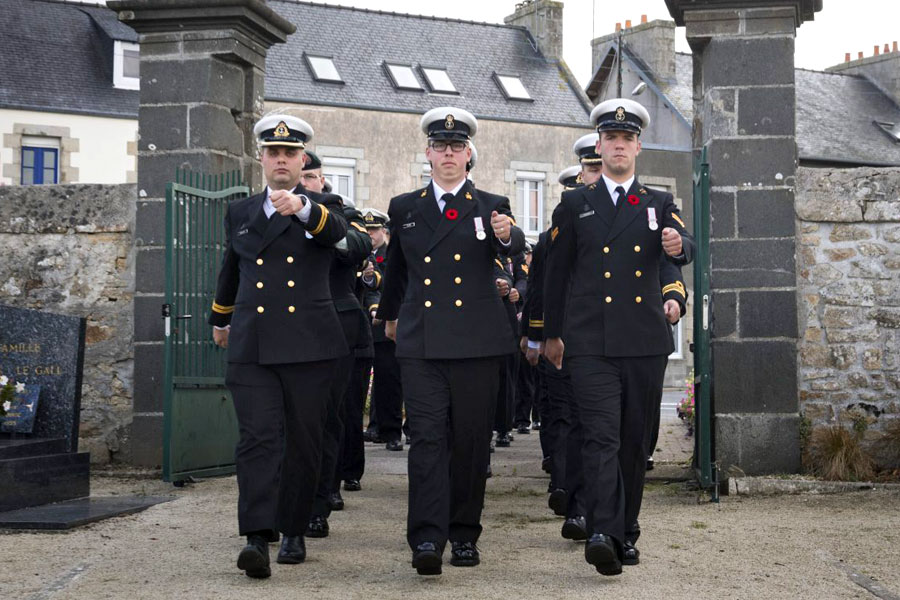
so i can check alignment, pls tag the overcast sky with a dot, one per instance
(842, 25)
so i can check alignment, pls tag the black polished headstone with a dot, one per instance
(35, 480)
(47, 349)
(74, 513)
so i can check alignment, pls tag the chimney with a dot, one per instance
(895, 46)
(887, 49)
(876, 50)
(653, 42)
(643, 19)
(847, 57)
(882, 69)
(859, 56)
(544, 20)
(618, 27)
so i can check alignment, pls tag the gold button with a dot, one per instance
(428, 304)
(260, 309)
(427, 259)
(290, 283)
(291, 309)
(637, 273)
(458, 303)
(605, 249)
(607, 274)
(290, 259)
(259, 284)
(359, 273)
(638, 299)
(637, 248)
(259, 261)
(427, 282)
(608, 299)
(458, 280)
(456, 257)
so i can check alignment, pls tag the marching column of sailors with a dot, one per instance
(468, 328)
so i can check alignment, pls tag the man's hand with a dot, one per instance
(673, 311)
(671, 241)
(553, 351)
(286, 203)
(220, 337)
(523, 344)
(513, 295)
(533, 354)
(369, 271)
(501, 225)
(502, 286)
(390, 330)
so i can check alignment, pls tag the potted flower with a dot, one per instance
(685, 409)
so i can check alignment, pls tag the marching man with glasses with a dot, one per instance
(442, 309)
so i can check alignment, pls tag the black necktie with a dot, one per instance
(446, 198)
(620, 193)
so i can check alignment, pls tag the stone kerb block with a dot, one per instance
(74, 208)
(848, 195)
(752, 162)
(742, 62)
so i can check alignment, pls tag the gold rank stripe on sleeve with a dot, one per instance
(525, 268)
(674, 287)
(553, 233)
(677, 218)
(359, 227)
(322, 220)
(222, 310)
(373, 307)
(377, 278)
(499, 264)
(536, 323)
(512, 220)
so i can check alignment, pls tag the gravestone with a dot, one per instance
(46, 350)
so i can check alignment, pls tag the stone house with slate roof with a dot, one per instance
(68, 94)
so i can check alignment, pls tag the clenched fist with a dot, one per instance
(502, 226)
(671, 241)
(287, 203)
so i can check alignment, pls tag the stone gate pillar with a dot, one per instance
(202, 81)
(744, 117)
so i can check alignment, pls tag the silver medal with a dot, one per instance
(653, 226)
(481, 235)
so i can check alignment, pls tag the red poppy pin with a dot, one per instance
(632, 199)
(451, 214)
(379, 259)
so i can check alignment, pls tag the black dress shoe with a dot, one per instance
(600, 551)
(547, 465)
(318, 527)
(536, 426)
(558, 501)
(489, 473)
(649, 463)
(504, 440)
(630, 554)
(293, 550)
(335, 502)
(394, 445)
(352, 485)
(523, 429)
(426, 559)
(254, 558)
(273, 537)
(575, 528)
(464, 554)
(371, 435)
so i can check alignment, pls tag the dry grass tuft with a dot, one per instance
(834, 453)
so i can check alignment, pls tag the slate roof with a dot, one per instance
(360, 41)
(834, 118)
(53, 57)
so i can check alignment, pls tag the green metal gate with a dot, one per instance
(199, 425)
(704, 450)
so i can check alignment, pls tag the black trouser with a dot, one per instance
(353, 457)
(387, 392)
(559, 424)
(542, 402)
(525, 396)
(277, 473)
(506, 394)
(450, 405)
(333, 438)
(657, 409)
(614, 398)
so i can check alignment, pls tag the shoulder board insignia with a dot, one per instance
(525, 268)
(468, 196)
(643, 191)
(677, 218)
(424, 193)
(592, 186)
(499, 264)
(553, 233)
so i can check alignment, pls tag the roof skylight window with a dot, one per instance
(323, 68)
(438, 80)
(402, 77)
(891, 129)
(512, 87)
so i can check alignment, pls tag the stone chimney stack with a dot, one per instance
(544, 20)
(881, 69)
(653, 41)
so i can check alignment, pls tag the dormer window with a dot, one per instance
(438, 80)
(402, 77)
(323, 68)
(126, 65)
(512, 87)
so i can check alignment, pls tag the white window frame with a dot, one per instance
(527, 179)
(507, 84)
(326, 77)
(395, 70)
(433, 85)
(334, 167)
(119, 79)
(678, 336)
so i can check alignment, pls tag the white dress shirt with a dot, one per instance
(612, 185)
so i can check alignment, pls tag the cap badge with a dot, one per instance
(282, 130)
(450, 123)
(578, 178)
(620, 114)
(370, 218)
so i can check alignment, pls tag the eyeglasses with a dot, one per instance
(310, 176)
(442, 146)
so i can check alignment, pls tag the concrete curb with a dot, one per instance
(767, 486)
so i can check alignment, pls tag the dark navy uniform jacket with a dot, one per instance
(602, 292)
(450, 308)
(343, 282)
(273, 286)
